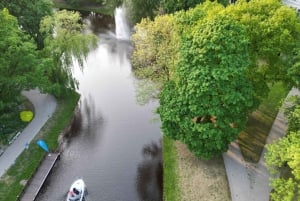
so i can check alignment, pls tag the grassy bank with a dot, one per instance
(252, 139)
(12, 183)
(171, 188)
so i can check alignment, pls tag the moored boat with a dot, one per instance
(77, 191)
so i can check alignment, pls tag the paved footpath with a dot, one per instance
(44, 106)
(250, 181)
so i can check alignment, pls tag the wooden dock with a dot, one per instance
(35, 184)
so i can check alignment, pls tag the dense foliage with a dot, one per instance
(18, 60)
(24, 66)
(272, 48)
(273, 40)
(29, 14)
(139, 9)
(207, 106)
(171, 6)
(156, 48)
(66, 45)
(283, 158)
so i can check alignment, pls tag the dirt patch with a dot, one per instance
(201, 180)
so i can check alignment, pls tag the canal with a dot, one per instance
(114, 144)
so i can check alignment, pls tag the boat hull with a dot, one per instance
(77, 191)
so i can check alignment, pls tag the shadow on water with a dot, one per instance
(150, 173)
(98, 23)
(85, 118)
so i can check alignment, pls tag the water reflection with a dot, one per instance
(84, 119)
(150, 173)
(109, 131)
(98, 23)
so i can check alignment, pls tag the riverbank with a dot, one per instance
(14, 180)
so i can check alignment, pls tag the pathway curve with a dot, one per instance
(250, 181)
(44, 106)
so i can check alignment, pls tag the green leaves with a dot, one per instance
(273, 33)
(29, 14)
(283, 159)
(212, 93)
(64, 43)
(18, 58)
(156, 48)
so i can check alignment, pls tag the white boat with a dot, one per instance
(77, 191)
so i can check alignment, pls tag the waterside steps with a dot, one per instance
(34, 186)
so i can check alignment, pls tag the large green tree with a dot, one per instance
(207, 106)
(18, 60)
(273, 44)
(65, 43)
(29, 14)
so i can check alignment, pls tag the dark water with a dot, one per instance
(114, 144)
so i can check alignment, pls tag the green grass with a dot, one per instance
(28, 162)
(171, 185)
(10, 122)
(252, 139)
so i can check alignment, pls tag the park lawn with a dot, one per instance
(252, 139)
(12, 183)
(170, 178)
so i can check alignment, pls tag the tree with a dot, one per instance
(18, 60)
(29, 14)
(273, 40)
(283, 158)
(64, 43)
(171, 6)
(207, 106)
(139, 9)
(156, 48)
(155, 55)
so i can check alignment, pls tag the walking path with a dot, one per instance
(249, 181)
(44, 106)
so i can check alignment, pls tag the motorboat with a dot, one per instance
(77, 191)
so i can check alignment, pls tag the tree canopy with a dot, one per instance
(156, 48)
(29, 14)
(207, 106)
(18, 60)
(273, 30)
(139, 9)
(65, 42)
(271, 54)
(283, 159)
